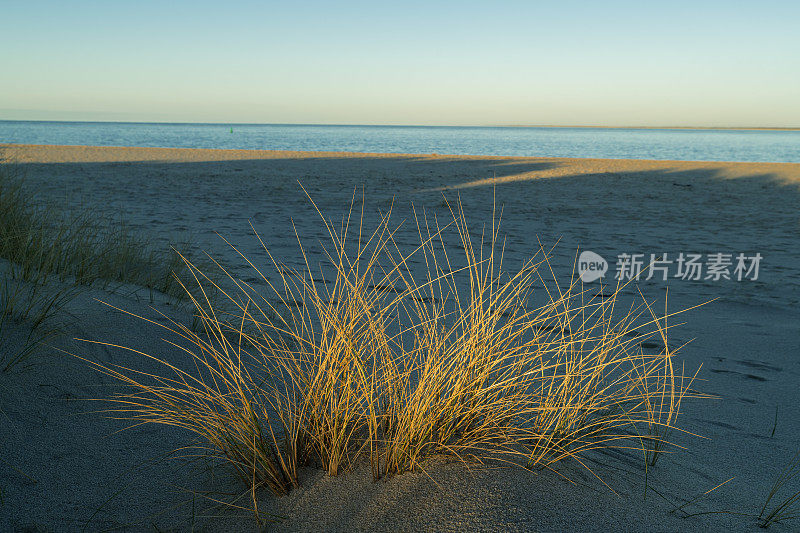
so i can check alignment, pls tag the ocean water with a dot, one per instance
(615, 143)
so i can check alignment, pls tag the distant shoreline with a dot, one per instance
(532, 126)
(702, 128)
(67, 153)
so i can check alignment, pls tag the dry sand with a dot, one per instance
(748, 340)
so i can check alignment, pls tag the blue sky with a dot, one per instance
(450, 63)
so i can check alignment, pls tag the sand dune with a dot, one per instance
(63, 469)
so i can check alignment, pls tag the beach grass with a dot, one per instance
(40, 244)
(30, 315)
(43, 241)
(779, 506)
(787, 507)
(368, 359)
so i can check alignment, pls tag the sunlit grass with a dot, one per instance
(369, 358)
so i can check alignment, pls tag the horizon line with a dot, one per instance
(532, 126)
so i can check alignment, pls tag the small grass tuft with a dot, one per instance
(787, 508)
(30, 316)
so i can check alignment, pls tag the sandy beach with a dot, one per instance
(65, 468)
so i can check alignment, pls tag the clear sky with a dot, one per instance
(693, 63)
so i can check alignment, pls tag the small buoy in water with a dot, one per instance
(231, 130)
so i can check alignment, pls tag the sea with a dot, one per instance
(589, 142)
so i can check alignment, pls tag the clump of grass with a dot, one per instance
(493, 376)
(787, 508)
(365, 359)
(461, 383)
(286, 379)
(40, 244)
(29, 311)
(40, 241)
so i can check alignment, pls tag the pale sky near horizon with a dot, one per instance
(614, 63)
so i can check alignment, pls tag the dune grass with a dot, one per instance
(775, 509)
(40, 244)
(787, 508)
(30, 315)
(367, 358)
(42, 241)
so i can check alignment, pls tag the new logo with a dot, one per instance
(591, 266)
